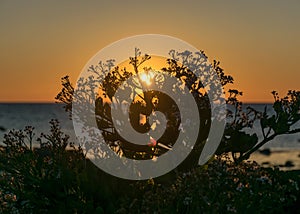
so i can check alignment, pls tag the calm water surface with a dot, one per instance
(38, 115)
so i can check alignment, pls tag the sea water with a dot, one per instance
(38, 115)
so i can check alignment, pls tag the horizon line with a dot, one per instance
(55, 102)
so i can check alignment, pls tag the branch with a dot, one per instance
(247, 154)
(265, 140)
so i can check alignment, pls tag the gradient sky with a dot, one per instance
(256, 41)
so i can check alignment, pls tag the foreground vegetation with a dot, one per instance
(56, 177)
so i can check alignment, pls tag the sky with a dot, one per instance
(256, 41)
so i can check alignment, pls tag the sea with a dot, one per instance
(18, 115)
(38, 115)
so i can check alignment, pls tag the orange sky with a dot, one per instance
(256, 41)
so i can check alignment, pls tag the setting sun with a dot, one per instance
(146, 77)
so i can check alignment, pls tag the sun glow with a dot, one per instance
(146, 77)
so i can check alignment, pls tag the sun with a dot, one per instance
(146, 77)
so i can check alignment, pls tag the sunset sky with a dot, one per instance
(257, 42)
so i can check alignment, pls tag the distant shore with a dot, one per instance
(285, 159)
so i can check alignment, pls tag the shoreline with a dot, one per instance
(285, 158)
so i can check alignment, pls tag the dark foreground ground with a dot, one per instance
(62, 182)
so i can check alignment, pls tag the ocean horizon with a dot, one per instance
(18, 115)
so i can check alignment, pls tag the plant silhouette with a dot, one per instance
(242, 144)
(180, 65)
